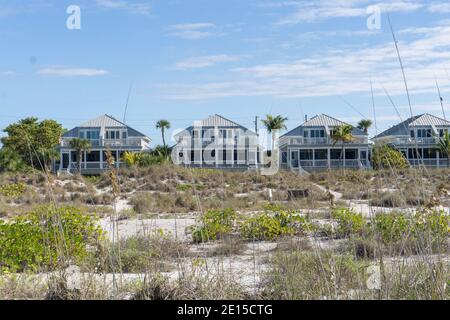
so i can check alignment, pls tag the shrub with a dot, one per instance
(349, 222)
(214, 224)
(417, 232)
(13, 190)
(385, 157)
(273, 223)
(46, 238)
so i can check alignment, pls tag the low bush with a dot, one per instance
(214, 224)
(273, 223)
(47, 238)
(348, 222)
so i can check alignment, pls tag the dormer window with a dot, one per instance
(112, 134)
(305, 134)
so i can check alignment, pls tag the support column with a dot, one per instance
(85, 160)
(314, 157)
(101, 160)
(329, 158)
(438, 159)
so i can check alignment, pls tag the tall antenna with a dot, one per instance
(126, 105)
(401, 65)
(373, 106)
(441, 99)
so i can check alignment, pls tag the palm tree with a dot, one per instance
(343, 135)
(273, 124)
(80, 145)
(163, 125)
(444, 146)
(365, 125)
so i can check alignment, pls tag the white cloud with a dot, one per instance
(337, 71)
(439, 7)
(72, 72)
(192, 31)
(135, 8)
(326, 9)
(203, 62)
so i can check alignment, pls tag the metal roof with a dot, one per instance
(323, 120)
(320, 121)
(216, 121)
(102, 122)
(423, 120)
(429, 120)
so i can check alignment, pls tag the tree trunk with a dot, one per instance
(163, 137)
(80, 155)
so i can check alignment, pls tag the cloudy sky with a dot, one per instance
(187, 59)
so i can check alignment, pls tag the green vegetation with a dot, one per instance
(12, 190)
(274, 223)
(29, 143)
(444, 146)
(214, 224)
(365, 125)
(385, 157)
(80, 146)
(47, 238)
(349, 222)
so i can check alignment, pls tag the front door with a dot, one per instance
(65, 160)
(295, 159)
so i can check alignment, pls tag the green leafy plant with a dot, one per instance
(348, 222)
(214, 224)
(46, 238)
(275, 222)
(13, 190)
(385, 157)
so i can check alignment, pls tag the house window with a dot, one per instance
(112, 134)
(284, 156)
(321, 154)
(335, 154)
(124, 135)
(317, 133)
(306, 154)
(412, 134)
(305, 134)
(351, 154)
(442, 132)
(424, 133)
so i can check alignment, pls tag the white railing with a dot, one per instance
(422, 141)
(323, 141)
(129, 142)
(330, 163)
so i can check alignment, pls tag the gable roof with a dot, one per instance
(102, 122)
(322, 120)
(423, 120)
(218, 121)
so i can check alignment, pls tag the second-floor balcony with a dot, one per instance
(320, 141)
(129, 142)
(413, 141)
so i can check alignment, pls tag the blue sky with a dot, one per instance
(188, 59)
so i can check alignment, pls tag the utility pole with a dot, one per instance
(257, 142)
